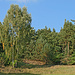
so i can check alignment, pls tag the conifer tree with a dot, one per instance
(66, 39)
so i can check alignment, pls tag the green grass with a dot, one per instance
(30, 69)
(35, 74)
(58, 74)
(17, 74)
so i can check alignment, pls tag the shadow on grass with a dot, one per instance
(18, 74)
(29, 66)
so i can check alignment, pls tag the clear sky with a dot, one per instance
(50, 13)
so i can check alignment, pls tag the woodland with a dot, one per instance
(18, 40)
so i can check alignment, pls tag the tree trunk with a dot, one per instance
(65, 48)
(3, 46)
(68, 48)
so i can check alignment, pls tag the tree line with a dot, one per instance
(19, 40)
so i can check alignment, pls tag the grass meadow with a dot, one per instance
(30, 69)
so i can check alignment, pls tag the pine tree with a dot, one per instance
(66, 40)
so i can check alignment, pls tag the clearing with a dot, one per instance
(28, 67)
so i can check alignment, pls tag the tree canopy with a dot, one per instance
(19, 40)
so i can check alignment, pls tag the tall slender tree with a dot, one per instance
(17, 26)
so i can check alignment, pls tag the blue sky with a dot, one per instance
(50, 13)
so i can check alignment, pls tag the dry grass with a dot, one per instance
(34, 62)
(40, 69)
(56, 70)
